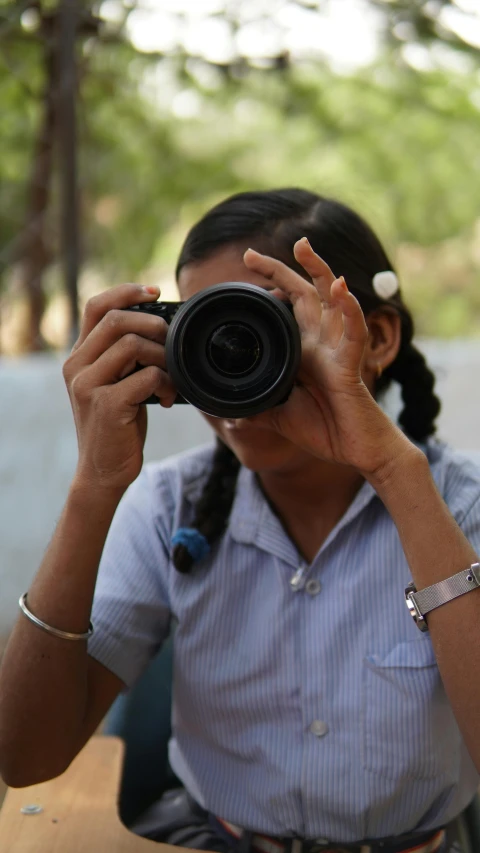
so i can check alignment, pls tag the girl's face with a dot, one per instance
(257, 448)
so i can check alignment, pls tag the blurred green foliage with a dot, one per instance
(163, 137)
(430, 22)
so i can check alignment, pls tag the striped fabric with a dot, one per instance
(314, 709)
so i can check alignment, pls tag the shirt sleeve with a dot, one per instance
(131, 612)
(463, 498)
(470, 526)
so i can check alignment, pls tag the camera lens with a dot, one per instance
(234, 349)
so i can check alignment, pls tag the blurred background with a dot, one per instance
(122, 122)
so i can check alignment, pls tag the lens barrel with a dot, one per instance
(233, 350)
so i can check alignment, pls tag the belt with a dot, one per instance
(421, 843)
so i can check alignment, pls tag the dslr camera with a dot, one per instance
(232, 350)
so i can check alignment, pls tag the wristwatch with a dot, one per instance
(420, 603)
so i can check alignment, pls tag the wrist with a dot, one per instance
(86, 492)
(400, 468)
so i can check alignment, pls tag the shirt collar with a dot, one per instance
(252, 520)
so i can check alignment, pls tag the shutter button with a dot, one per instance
(313, 587)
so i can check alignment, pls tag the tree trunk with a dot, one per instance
(35, 253)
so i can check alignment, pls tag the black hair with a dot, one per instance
(271, 222)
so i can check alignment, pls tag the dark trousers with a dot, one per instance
(177, 819)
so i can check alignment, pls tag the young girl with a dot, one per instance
(308, 707)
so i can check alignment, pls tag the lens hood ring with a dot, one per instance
(266, 382)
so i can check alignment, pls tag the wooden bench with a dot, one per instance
(78, 809)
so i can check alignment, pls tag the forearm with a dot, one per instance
(434, 544)
(43, 679)
(436, 548)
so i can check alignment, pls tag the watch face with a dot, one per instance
(413, 608)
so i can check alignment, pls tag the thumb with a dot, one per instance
(265, 420)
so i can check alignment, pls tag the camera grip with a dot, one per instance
(167, 311)
(154, 399)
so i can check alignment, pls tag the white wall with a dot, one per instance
(38, 452)
(38, 448)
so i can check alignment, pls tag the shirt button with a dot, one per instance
(319, 728)
(313, 587)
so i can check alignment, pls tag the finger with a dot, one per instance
(121, 359)
(301, 293)
(277, 293)
(319, 271)
(355, 331)
(138, 387)
(122, 296)
(332, 324)
(112, 327)
(285, 279)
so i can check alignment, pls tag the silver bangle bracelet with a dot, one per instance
(63, 635)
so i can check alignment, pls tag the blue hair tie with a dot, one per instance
(194, 541)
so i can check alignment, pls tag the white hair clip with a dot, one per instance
(385, 284)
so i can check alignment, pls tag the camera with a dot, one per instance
(232, 350)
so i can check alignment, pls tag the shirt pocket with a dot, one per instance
(409, 730)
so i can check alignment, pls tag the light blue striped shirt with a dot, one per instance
(318, 712)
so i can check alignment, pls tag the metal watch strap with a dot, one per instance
(422, 602)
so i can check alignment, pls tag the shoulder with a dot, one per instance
(457, 475)
(161, 498)
(177, 478)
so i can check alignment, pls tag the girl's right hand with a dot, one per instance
(105, 392)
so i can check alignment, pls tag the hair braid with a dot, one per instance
(421, 405)
(213, 508)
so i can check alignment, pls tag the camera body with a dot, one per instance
(232, 350)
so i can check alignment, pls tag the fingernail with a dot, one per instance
(151, 288)
(305, 240)
(343, 283)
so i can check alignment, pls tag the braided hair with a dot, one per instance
(213, 508)
(420, 404)
(271, 222)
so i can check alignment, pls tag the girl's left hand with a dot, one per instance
(330, 412)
